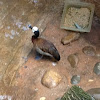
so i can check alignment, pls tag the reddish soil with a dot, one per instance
(29, 76)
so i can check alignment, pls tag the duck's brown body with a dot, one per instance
(45, 47)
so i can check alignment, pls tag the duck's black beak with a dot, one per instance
(30, 26)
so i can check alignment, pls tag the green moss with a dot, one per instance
(76, 93)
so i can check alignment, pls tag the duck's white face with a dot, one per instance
(34, 29)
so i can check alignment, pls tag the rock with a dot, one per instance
(89, 51)
(15, 37)
(95, 92)
(43, 98)
(75, 79)
(97, 68)
(98, 52)
(70, 37)
(25, 66)
(54, 64)
(25, 58)
(76, 93)
(73, 60)
(51, 79)
(90, 80)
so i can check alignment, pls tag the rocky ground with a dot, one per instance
(30, 75)
(78, 58)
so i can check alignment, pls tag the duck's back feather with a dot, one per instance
(47, 47)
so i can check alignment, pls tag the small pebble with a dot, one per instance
(13, 32)
(1, 2)
(5, 63)
(7, 35)
(35, 1)
(98, 52)
(17, 33)
(25, 66)
(8, 27)
(90, 80)
(70, 37)
(25, 58)
(89, 51)
(11, 37)
(97, 68)
(54, 64)
(43, 98)
(98, 55)
(75, 79)
(73, 60)
(36, 89)
(25, 28)
(18, 23)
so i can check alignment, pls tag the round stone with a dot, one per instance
(75, 79)
(97, 68)
(70, 37)
(51, 79)
(89, 51)
(73, 60)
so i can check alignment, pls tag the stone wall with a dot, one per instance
(15, 36)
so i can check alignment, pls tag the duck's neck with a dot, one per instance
(34, 38)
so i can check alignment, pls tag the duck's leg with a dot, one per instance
(38, 56)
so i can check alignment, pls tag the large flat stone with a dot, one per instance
(15, 37)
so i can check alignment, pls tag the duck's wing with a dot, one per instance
(48, 47)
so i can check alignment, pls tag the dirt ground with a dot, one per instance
(28, 78)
